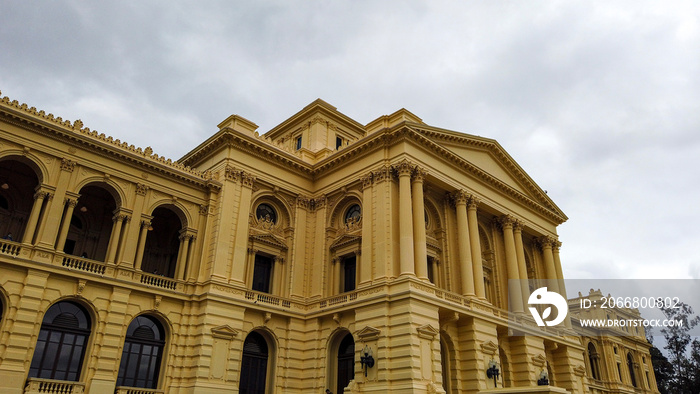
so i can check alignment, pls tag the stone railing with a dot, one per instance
(133, 390)
(158, 281)
(341, 299)
(9, 247)
(40, 386)
(83, 264)
(266, 299)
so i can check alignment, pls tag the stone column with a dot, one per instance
(186, 236)
(365, 267)
(145, 226)
(515, 295)
(65, 226)
(132, 230)
(548, 257)
(115, 236)
(465, 255)
(560, 275)
(240, 247)
(419, 247)
(48, 229)
(522, 265)
(335, 281)
(33, 219)
(406, 239)
(475, 244)
(319, 254)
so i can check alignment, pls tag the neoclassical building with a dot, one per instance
(322, 255)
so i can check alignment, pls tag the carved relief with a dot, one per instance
(403, 168)
(67, 165)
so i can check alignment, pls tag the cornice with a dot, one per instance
(317, 106)
(75, 133)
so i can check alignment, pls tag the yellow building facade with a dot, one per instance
(322, 255)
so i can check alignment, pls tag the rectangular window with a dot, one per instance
(338, 142)
(298, 142)
(349, 269)
(262, 273)
(431, 275)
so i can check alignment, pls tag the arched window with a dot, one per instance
(162, 243)
(445, 358)
(254, 365)
(142, 354)
(353, 214)
(593, 361)
(18, 182)
(346, 362)
(91, 223)
(265, 212)
(630, 366)
(60, 348)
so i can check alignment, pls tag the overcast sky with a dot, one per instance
(598, 101)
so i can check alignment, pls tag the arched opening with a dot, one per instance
(91, 223)
(60, 348)
(346, 363)
(254, 365)
(446, 358)
(162, 243)
(142, 354)
(630, 366)
(18, 183)
(593, 361)
(505, 368)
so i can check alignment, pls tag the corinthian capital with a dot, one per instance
(546, 242)
(461, 197)
(366, 181)
(419, 174)
(403, 168)
(507, 221)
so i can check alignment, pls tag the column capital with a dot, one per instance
(252, 250)
(319, 202)
(67, 165)
(460, 197)
(247, 179)
(120, 217)
(302, 201)
(518, 226)
(382, 174)
(366, 181)
(146, 223)
(71, 202)
(507, 221)
(419, 174)
(473, 202)
(546, 241)
(188, 233)
(141, 189)
(403, 168)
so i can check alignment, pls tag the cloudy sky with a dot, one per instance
(598, 101)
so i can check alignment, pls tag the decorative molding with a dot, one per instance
(489, 347)
(366, 181)
(224, 332)
(67, 165)
(403, 168)
(419, 174)
(427, 331)
(460, 197)
(539, 361)
(141, 189)
(156, 302)
(368, 334)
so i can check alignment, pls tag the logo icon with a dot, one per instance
(543, 297)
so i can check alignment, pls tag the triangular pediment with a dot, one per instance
(316, 112)
(269, 239)
(487, 159)
(345, 239)
(427, 331)
(368, 333)
(224, 332)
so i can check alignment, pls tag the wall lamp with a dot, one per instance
(544, 379)
(493, 372)
(367, 361)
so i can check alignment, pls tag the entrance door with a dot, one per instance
(346, 363)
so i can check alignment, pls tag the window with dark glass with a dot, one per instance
(253, 365)
(630, 366)
(338, 142)
(354, 213)
(349, 270)
(142, 354)
(346, 363)
(431, 275)
(266, 212)
(298, 142)
(60, 348)
(593, 360)
(262, 273)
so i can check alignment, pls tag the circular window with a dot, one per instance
(266, 212)
(353, 214)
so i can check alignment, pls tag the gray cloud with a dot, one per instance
(598, 102)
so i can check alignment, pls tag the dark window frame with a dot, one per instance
(263, 267)
(142, 356)
(65, 333)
